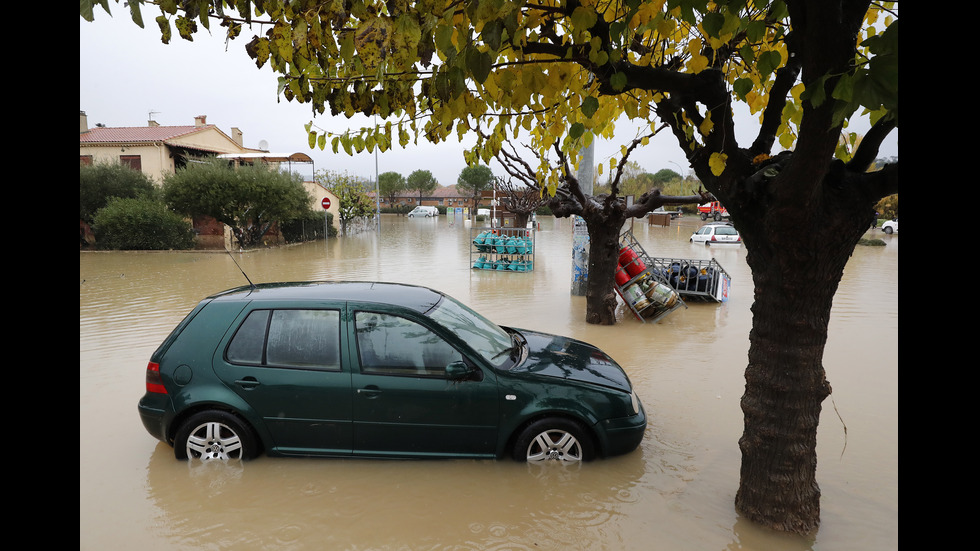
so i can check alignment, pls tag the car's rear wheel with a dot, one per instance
(554, 439)
(888, 229)
(213, 435)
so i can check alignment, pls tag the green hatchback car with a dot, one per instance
(379, 370)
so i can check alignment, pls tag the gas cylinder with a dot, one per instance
(632, 263)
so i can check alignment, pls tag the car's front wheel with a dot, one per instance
(888, 229)
(554, 439)
(215, 435)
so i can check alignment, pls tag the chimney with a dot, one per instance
(200, 120)
(83, 122)
(152, 122)
(236, 135)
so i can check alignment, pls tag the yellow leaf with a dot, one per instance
(706, 126)
(717, 163)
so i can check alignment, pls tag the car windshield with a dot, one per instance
(485, 337)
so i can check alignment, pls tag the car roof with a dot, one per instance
(413, 297)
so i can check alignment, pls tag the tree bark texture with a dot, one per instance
(600, 293)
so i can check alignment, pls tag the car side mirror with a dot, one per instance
(459, 371)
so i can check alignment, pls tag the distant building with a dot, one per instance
(442, 196)
(153, 149)
(159, 150)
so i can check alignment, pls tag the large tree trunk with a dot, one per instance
(600, 293)
(797, 256)
(784, 389)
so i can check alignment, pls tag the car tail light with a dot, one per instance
(154, 382)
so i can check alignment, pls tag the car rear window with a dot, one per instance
(296, 338)
(725, 230)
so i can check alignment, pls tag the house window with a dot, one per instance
(132, 161)
(85, 160)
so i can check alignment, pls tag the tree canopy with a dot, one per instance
(390, 185)
(249, 198)
(352, 198)
(422, 181)
(474, 180)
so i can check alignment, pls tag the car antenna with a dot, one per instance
(240, 269)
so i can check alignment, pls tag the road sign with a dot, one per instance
(325, 203)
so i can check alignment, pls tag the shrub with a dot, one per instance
(888, 208)
(141, 224)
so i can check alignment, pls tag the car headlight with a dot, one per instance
(635, 400)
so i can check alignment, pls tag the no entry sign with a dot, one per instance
(325, 203)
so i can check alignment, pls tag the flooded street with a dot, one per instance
(676, 492)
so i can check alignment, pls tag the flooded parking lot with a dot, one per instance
(676, 492)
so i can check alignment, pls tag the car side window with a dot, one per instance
(393, 345)
(296, 338)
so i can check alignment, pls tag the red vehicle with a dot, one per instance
(714, 210)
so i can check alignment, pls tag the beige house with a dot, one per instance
(160, 150)
(153, 149)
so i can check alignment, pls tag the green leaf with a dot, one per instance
(491, 34)
(479, 65)
(444, 37)
(589, 106)
(576, 131)
(583, 18)
(712, 24)
(618, 81)
(755, 31)
(769, 62)
(134, 11)
(164, 25)
(742, 87)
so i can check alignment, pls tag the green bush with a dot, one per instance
(397, 209)
(140, 224)
(101, 182)
(308, 227)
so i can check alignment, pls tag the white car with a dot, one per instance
(890, 226)
(715, 233)
(426, 212)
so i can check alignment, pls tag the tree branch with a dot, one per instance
(867, 151)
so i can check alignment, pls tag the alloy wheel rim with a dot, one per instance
(214, 441)
(554, 445)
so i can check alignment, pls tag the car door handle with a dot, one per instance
(371, 392)
(248, 383)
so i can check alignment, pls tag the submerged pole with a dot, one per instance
(580, 235)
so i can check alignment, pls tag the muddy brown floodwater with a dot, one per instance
(676, 492)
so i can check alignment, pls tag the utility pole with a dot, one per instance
(580, 235)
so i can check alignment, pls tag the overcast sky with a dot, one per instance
(128, 76)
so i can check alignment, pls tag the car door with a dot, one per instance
(403, 402)
(287, 365)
